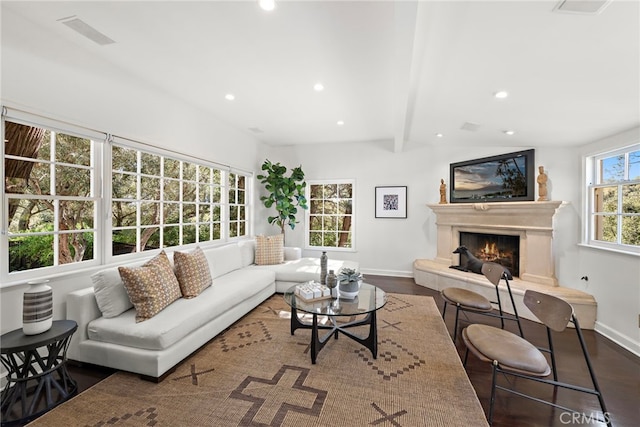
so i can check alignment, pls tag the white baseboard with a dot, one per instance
(622, 340)
(394, 273)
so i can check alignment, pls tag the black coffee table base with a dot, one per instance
(317, 342)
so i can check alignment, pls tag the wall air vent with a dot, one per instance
(583, 7)
(471, 127)
(86, 30)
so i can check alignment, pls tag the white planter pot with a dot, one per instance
(37, 308)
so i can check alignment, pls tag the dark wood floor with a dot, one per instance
(617, 371)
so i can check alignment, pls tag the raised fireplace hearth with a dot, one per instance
(529, 251)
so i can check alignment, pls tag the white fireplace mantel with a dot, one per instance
(531, 221)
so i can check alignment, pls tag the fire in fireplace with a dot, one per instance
(499, 248)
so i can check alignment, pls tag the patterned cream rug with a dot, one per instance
(257, 374)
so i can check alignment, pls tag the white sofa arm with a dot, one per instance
(292, 253)
(83, 308)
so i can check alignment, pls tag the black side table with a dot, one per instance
(37, 379)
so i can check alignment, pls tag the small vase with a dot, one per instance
(349, 290)
(332, 284)
(37, 308)
(323, 267)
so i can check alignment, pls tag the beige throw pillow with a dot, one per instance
(151, 287)
(192, 271)
(269, 250)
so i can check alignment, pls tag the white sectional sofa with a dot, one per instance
(153, 347)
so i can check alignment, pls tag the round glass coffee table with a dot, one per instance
(370, 299)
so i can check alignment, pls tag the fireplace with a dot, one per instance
(489, 247)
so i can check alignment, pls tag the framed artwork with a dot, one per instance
(391, 202)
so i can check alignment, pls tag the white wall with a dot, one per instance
(389, 246)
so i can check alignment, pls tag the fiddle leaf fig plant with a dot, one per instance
(286, 193)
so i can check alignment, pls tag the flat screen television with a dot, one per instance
(504, 178)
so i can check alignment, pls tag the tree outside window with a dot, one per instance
(330, 214)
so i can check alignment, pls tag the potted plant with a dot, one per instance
(286, 193)
(349, 280)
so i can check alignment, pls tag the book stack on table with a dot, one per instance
(312, 291)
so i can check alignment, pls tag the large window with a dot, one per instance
(614, 200)
(330, 214)
(72, 200)
(50, 208)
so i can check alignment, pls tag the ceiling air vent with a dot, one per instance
(584, 7)
(86, 30)
(471, 127)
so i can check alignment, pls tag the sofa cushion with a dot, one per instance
(162, 331)
(192, 272)
(269, 249)
(151, 287)
(111, 296)
(223, 260)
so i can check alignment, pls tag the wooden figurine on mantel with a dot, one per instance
(542, 185)
(443, 192)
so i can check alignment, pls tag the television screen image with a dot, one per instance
(507, 177)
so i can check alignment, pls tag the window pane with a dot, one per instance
(188, 213)
(243, 228)
(26, 141)
(330, 207)
(189, 192)
(29, 252)
(330, 223)
(316, 207)
(27, 177)
(203, 232)
(315, 191)
(606, 199)
(216, 231)
(204, 193)
(149, 188)
(204, 174)
(123, 242)
(612, 169)
(124, 159)
(216, 195)
(216, 177)
(315, 222)
(344, 207)
(188, 171)
(171, 168)
(76, 215)
(150, 164)
(73, 150)
(233, 213)
(124, 186)
(150, 238)
(330, 191)
(634, 165)
(123, 214)
(241, 197)
(631, 198)
(233, 229)
(171, 213)
(315, 239)
(241, 182)
(232, 180)
(631, 230)
(329, 239)
(149, 213)
(171, 236)
(216, 213)
(345, 191)
(188, 234)
(171, 190)
(242, 213)
(204, 213)
(344, 240)
(232, 196)
(72, 181)
(605, 228)
(31, 215)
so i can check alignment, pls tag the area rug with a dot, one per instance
(257, 374)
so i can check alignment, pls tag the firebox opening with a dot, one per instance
(499, 248)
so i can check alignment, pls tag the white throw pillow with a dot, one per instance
(111, 295)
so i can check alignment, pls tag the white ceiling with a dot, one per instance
(393, 71)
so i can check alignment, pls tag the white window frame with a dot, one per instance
(593, 181)
(97, 141)
(101, 187)
(352, 182)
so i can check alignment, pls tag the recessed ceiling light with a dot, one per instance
(267, 5)
(229, 97)
(340, 122)
(318, 87)
(508, 132)
(439, 135)
(501, 94)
